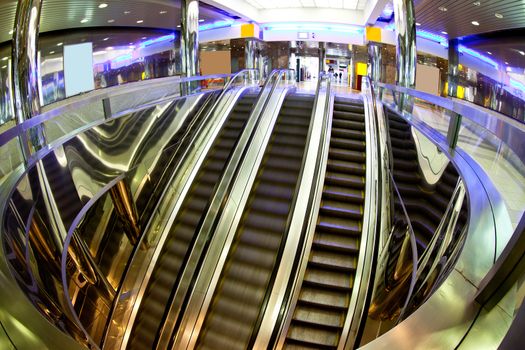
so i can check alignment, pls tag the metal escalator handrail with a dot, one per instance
(372, 205)
(413, 247)
(267, 332)
(178, 302)
(19, 129)
(222, 201)
(278, 334)
(191, 134)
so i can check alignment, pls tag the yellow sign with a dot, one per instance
(247, 30)
(373, 34)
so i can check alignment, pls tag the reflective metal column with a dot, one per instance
(189, 42)
(374, 61)
(322, 56)
(453, 67)
(250, 53)
(405, 21)
(25, 71)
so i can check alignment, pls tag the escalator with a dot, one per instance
(324, 298)
(238, 301)
(163, 282)
(425, 204)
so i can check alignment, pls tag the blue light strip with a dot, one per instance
(215, 25)
(315, 26)
(516, 84)
(157, 40)
(123, 58)
(477, 55)
(432, 37)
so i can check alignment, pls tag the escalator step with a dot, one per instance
(312, 337)
(286, 159)
(248, 275)
(328, 279)
(270, 206)
(330, 320)
(348, 133)
(343, 194)
(254, 256)
(324, 298)
(345, 167)
(346, 155)
(354, 145)
(338, 227)
(340, 179)
(260, 238)
(346, 124)
(336, 242)
(333, 260)
(350, 116)
(259, 220)
(341, 106)
(342, 210)
(279, 192)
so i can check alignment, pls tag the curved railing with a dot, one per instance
(32, 261)
(450, 270)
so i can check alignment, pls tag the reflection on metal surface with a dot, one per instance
(375, 61)
(190, 39)
(405, 23)
(25, 71)
(250, 52)
(453, 67)
(126, 210)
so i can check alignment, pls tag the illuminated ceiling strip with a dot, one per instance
(314, 26)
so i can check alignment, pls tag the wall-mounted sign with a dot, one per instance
(302, 35)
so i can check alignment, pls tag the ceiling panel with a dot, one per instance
(456, 16)
(66, 14)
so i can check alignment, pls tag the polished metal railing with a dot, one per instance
(454, 263)
(207, 226)
(49, 238)
(63, 120)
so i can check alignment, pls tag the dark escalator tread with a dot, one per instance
(253, 255)
(177, 245)
(327, 284)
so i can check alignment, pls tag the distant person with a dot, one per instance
(340, 76)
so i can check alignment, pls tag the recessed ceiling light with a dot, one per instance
(84, 20)
(201, 20)
(506, 62)
(111, 20)
(131, 46)
(105, 39)
(144, 37)
(130, 43)
(11, 32)
(443, 32)
(476, 23)
(4, 67)
(477, 3)
(127, 12)
(99, 52)
(102, 6)
(109, 48)
(490, 53)
(5, 58)
(140, 21)
(60, 44)
(418, 24)
(163, 12)
(51, 52)
(178, 26)
(498, 15)
(521, 53)
(442, 8)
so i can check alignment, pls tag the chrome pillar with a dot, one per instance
(126, 210)
(25, 71)
(189, 41)
(322, 56)
(453, 67)
(405, 22)
(250, 53)
(374, 61)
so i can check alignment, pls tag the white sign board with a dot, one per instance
(78, 69)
